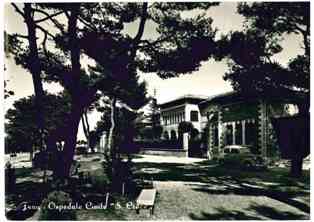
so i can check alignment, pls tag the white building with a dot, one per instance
(231, 118)
(184, 108)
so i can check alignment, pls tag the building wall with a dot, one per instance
(172, 116)
(188, 109)
(228, 124)
(249, 124)
(240, 123)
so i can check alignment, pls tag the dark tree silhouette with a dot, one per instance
(33, 65)
(21, 126)
(253, 70)
(97, 30)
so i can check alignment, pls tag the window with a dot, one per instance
(229, 135)
(251, 133)
(238, 133)
(216, 139)
(194, 116)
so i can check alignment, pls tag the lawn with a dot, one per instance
(193, 190)
(208, 191)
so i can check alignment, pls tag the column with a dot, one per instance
(210, 141)
(243, 132)
(233, 133)
(220, 131)
(262, 128)
(187, 113)
(186, 143)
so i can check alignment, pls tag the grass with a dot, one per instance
(195, 191)
(219, 192)
(234, 187)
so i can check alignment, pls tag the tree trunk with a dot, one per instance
(110, 144)
(77, 108)
(34, 66)
(297, 161)
(112, 157)
(86, 130)
(296, 167)
(70, 140)
(31, 154)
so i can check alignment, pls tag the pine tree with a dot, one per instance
(97, 30)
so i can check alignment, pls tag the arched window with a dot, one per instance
(166, 135)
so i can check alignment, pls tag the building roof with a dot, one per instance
(188, 98)
(234, 96)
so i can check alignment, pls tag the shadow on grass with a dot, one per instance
(259, 213)
(238, 187)
(23, 172)
(206, 170)
(276, 214)
(222, 180)
(28, 192)
(223, 214)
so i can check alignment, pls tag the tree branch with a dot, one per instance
(18, 10)
(297, 27)
(21, 36)
(140, 31)
(154, 43)
(86, 120)
(47, 16)
(73, 41)
(85, 23)
(44, 45)
(54, 21)
(45, 31)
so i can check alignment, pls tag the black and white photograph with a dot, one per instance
(118, 110)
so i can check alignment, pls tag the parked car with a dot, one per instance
(241, 156)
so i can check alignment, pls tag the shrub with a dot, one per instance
(57, 198)
(162, 144)
(194, 133)
(158, 131)
(173, 135)
(195, 148)
(118, 172)
(166, 135)
(147, 133)
(184, 127)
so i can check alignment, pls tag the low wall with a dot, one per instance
(165, 152)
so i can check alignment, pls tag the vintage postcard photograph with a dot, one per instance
(156, 110)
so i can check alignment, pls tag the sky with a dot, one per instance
(208, 80)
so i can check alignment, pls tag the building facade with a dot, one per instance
(185, 108)
(230, 119)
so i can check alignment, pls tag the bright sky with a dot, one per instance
(206, 81)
